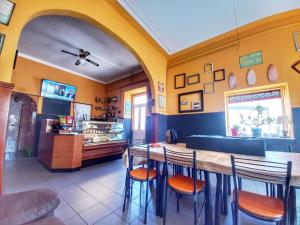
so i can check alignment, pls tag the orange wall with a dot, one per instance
(277, 47)
(28, 74)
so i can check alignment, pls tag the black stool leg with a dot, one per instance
(146, 202)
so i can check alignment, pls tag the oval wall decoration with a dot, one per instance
(272, 73)
(251, 77)
(232, 81)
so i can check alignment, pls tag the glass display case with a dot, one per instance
(96, 132)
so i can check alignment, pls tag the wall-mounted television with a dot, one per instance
(56, 90)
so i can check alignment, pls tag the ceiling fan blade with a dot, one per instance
(77, 62)
(86, 54)
(70, 53)
(92, 62)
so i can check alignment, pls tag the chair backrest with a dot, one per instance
(293, 148)
(140, 152)
(186, 159)
(262, 171)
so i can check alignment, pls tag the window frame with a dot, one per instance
(285, 102)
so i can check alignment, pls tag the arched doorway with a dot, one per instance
(20, 127)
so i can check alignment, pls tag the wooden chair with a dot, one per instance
(180, 184)
(262, 207)
(140, 174)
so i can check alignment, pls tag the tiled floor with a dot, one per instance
(93, 195)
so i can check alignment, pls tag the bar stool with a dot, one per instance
(262, 207)
(140, 174)
(180, 184)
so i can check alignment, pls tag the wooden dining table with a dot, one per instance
(219, 163)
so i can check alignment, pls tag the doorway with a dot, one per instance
(139, 104)
(20, 127)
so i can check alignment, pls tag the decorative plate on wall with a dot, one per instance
(232, 81)
(272, 73)
(251, 77)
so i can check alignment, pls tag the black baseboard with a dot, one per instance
(60, 170)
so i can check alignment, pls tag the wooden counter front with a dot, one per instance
(61, 151)
(103, 149)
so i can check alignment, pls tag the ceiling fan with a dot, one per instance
(82, 57)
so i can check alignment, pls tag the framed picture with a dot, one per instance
(180, 81)
(2, 37)
(209, 88)
(161, 86)
(193, 79)
(297, 40)
(251, 59)
(161, 101)
(190, 102)
(296, 67)
(232, 81)
(272, 73)
(82, 112)
(219, 75)
(208, 68)
(251, 77)
(6, 11)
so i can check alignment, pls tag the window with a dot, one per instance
(139, 112)
(263, 112)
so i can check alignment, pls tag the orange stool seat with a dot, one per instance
(141, 174)
(261, 206)
(185, 184)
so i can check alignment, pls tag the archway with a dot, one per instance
(103, 14)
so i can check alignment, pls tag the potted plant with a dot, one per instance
(235, 130)
(257, 120)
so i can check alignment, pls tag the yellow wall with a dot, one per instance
(27, 78)
(278, 48)
(104, 14)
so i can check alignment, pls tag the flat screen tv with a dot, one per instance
(55, 90)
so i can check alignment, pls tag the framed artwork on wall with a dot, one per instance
(296, 67)
(179, 81)
(209, 88)
(190, 102)
(161, 101)
(193, 79)
(208, 67)
(251, 59)
(297, 40)
(161, 86)
(219, 75)
(2, 37)
(6, 11)
(82, 112)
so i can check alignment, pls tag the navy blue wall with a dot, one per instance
(214, 124)
(127, 128)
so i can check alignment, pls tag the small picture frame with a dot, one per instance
(2, 38)
(179, 81)
(209, 88)
(193, 79)
(161, 101)
(208, 68)
(190, 102)
(296, 67)
(161, 87)
(297, 40)
(6, 10)
(219, 75)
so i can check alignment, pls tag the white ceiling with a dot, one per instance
(44, 38)
(179, 24)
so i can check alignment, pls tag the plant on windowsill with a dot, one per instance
(235, 130)
(256, 121)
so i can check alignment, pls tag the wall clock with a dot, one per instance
(232, 81)
(272, 73)
(251, 77)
